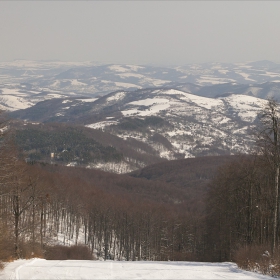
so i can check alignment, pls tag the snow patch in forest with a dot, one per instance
(155, 105)
(100, 125)
(117, 96)
(148, 112)
(87, 99)
(149, 101)
(248, 107)
(66, 101)
(115, 167)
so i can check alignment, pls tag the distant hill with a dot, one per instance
(33, 80)
(160, 113)
(160, 123)
(81, 146)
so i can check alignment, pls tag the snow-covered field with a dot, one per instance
(73, 269)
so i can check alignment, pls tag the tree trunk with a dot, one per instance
(275, 218)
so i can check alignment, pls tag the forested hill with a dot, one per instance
(73, 145)
(191, 175)
(184, 172)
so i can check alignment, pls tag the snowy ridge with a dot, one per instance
(195, 125)
(173, 123)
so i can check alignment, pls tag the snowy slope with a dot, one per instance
(20, 97)
(173, 123)
(194, 125)
(72, 269)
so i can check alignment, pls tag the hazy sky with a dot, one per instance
(140, 32)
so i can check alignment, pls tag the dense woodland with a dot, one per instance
(67, 143)
(203, 209)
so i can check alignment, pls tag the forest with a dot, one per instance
(205, 209)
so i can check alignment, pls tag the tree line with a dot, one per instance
(243, 201)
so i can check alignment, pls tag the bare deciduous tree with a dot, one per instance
(268, 142)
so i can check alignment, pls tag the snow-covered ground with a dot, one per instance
(73, 269)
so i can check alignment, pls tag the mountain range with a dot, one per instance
(160, 113)
(166, 123)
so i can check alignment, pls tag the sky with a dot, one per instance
(140, 32)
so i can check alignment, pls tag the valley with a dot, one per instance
(147, 166)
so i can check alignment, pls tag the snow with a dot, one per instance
(177, 132)
(223, 71)
(246, 76)
(271, 74)
(128, 75)
(77, 269)
(134, 67)
(224, 120)
(54, 95)
(8, 91)
(204, 102)
(126, 85)
(169, 91)
(157, 82)
(149, 112)
(12, 103)
(100, 125)
(117, 96)
(149, 101)
(117, 68)
(88, 99)
(119, 167)
(248, 107)
(75, 82)
(155, 105)
(56, 83)
(213, 80)
(73, 163)
(106, 82)
(200, 101)
(253, 90)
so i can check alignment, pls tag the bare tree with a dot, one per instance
(268, 142)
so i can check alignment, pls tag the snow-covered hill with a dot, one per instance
(170, 124)
(178, 124)
(178, 111)
(91, 79)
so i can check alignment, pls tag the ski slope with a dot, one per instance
(73, 269)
